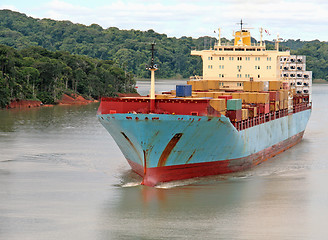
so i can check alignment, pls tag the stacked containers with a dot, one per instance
(234, 111)
(274, 88)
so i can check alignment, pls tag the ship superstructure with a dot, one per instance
(249, 105)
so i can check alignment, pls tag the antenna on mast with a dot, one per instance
(152, 68)
(241, 24)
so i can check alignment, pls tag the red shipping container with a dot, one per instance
(226, 97)
(263, 108)
(234, 115)
(273, 95)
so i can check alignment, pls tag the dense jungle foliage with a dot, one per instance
(92, 53)
(36, 73)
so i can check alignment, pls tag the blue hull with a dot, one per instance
(152, 141)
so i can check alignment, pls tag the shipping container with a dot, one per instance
(263, 108)
(218, 104)
(275, 85)
(213, 85)
(247, 86)
(225, 97)
(200, 85)
(252, 97)
(252, 111)
(244, 114)
(183, 90)
(263, 98)
(244, 97)
(257, 86)
(217, 94)
(234, 115)
(274, 106)
(234, 104)
(235, 95)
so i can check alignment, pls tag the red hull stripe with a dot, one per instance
(157, 175)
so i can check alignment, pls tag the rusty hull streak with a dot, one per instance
(191, 156)
(145, 162)
(168, 149)
(132, 145)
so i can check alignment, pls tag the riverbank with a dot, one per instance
(73, 99)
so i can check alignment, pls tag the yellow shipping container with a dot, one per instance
(199, 94)
(252, 97)
(235, 95)
(216, 94)
(257, 86)
(218, 104)
(275, 85)
(203, 94)
(205, 85)
(244, 97)
(248, 86)
(209, 94)
(263, 98)
(244, 114)
(213, 84)
(198, 85)
(163, 96)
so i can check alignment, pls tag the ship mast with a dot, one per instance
(152, 68)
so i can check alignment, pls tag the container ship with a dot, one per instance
(250, 105)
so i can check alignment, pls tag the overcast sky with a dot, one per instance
(291, 19)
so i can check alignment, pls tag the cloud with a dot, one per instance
(9, 7)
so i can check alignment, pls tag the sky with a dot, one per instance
(291, 19)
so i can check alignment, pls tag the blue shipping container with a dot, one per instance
(183, 90)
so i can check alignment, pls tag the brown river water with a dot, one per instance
(63, 177)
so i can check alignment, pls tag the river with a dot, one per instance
(63, 177)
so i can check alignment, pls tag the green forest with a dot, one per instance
(38, 74)
(42, 58)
